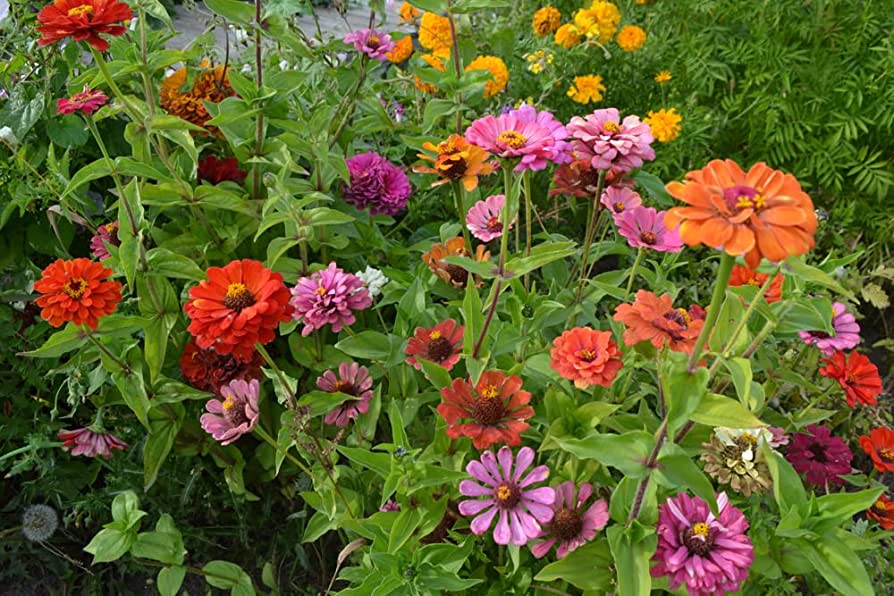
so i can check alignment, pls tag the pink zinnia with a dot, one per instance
(710, 555)
(521, 511)
(619, 199)
(572, 526)
(372, 43)
(328, 297)
(352, 379)
(535, 137)
(483, 218)
(845, 336)
(87, 101)
(90, 443)
(376, 183)
(105, 234)
(644, 228)
(236, 415)
(609, 143)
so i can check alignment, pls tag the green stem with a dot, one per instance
(816, 400)
(99, 345)
(457, 66)
(504, 214)
(27, 448)
(723, 273)
(458, 193)
(528, 234)
(131, 110)
(259, 430)
(259, 123)
(639, 257)
(279, 374)
(603, 226)
(588, 239)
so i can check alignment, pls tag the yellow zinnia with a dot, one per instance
(663, 77)
(631, 38)
(587, 89)
(568, 36)
(665, 124)
(434, 32)
(546, 21)
(436, 62)
(497, 69)
(600, 21)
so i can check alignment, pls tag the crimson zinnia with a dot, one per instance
(857, 375)
(82, 20)
(879, 445)
(78, 291)
(207, 370)
(441, 344)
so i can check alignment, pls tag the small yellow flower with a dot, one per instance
(568, 36)
(403, 49)
(587, 89)
(663, 77)
(546, 21)
(631, 38)
(539, 60)
(665, 124)
(600, 21)
(434, 32)
(497, 69)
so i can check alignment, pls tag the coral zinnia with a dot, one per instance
(743, 276)
(402, 50)
(537, 138)
(761, 213)
(87, 101)
(586, 356)
(90, 443)
(571, 525)
(238, 306)
(78, 291)
(374, 44)
(857, 375)
(710, 555)
(546, 20)
(609, 142)
(586, 89)
(210, 84)
(214, 170)
(882, 511)
(441, 344)
(507, 490)
(846, 332)
(82, 20)
(644, 228)
(207, 370)
(105, 234)
(631, 38)
(236, 415)
(619, 199)
(329, 297)
(652, 318)
(483, 219)
(376, 183)
(456, 159)
(452, 274)
(497, 68)
(496, 406)
(821, 457)
(665, 124)
(434, 32)
(353, 380)
(879, 445)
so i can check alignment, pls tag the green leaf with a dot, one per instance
(798, 268)
(472, 316)
(402, 528)
(170, 579)
(380, 463)
(169, 264)
(158, 302)
(839, 565)
(655, 187)
(97, 169)
(676, 470)
(632, 557)
(787, 487)
(484, 269)
(125, 506)
(587, 568)
(464, 6)
(370, 345)
(435, 373)
(740, 370)
(165, 544)
(626, 452)
(731, 313)
(805, 314)
(223, 574)
(840, 507)
(717, 410)
(232, 10)
(156, 9)
(110, 544)
(20, 113)
(435, 109)
(683, 390)
(69, 339)
(131, 385)
(165, 421)
(541, 255)
(68, 131)
(323, 402)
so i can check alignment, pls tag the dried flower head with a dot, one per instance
(39, 523)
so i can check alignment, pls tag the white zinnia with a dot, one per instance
(374, 280)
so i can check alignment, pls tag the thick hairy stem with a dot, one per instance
(723, 273)
(650, 465)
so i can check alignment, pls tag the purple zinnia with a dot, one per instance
(818, 455)
(236, 415)
(571, 525)
(483, 218)
(845, 337)
(644, 228)
(376, 183)
(354, 380)
(372, 43)
(521, 511)
(535, 137)
(105, 234)
(329, 297)
(607, 142)
(618, 199)
(710, 555)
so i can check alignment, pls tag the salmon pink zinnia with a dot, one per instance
(353, 380)
(654, 319)
(586, 356)
(87, 101)
(619, 199)
(644, 228)
(441, 344)
(535, 138)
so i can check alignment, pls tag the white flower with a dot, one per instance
(241, 35)
(746, 438)
(246, 68)
(284, 65)
(8, 136)
(374, 280)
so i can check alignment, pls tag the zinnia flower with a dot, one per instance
(328, 297)
(586, 89)
(353, 380)
(82, 20)
(761, 213)
(452, 274)
(654, 319)
(236, 415)
(238, 306)
(376, 183)
(742, 276)
(586, 356)
(710, 555)
(665, 124)
(105, 234)
(732, 457)
(568, 36)
(456, 160)
(882, 511)
(599, 21)
(497, 68)
(390, 505)
(644, 228)
(497, 407)
(821, 457)
(483, 219)
(535, 137)
(206, 370)
(90, 443)
(87, 101)
(403, 49)
(663, 76)
(546, 20)
(609, 143)
(579, 179)
(846, 333)
(619, 199)
(522, 509)
(857, 375)
(78, 291)
(209, 84)
(434, 33)
(571, 526)
(214, 171)
(373, 279)
(879, 445)
(631, 38)
(441, 344)
(374, 44)
(408, 12)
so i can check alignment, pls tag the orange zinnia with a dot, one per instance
(457, 159)
(882, 511)
(82, 20)
(77, 291)
(210, 84)
(743, 276)
(759, 213)
(586, 356)
(654, 319)
(452, 274)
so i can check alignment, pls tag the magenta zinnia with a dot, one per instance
(573, 523)
(376, 183)
(374, 44)
(90, 443)
(644, 228)
(534, 138)
(608, 142)
(353, 380)
(328, 297)
(106, 234)
(846, 334)
(236, 415)
(87, 101)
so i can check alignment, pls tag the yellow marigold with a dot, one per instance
(568, 36)
(631, 38)
(600, 21)
(436, 62)
(210, 84)
(587, 89)
(546, 21)
(497, 69)
(663, 77)
(665, 124)
(408, 12)
(403, 49)
(434, 32)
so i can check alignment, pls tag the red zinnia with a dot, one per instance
(77, 291)
(743, 276)
(83, 20)
(654, 318)
(441, 344)
(239, 305)
(87, 101)
(497, 407)
(879, 445)
(857, 375)
(207, 370)
(882, 511)
(586, 356)
(215, 171)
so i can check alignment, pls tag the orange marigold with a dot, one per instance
(456, 159)
(568, 36)
(759, 213)
(408, 12)
(654, 319)
(497, 69)
(82, 20)
(599, 21)
(434, 32)
(78, 291)
(452, 274)
(402, 51)
(586, 356)
(631, 38)
(546, 21)
(210, 84)
(743, 276)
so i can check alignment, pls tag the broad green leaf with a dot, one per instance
(717, 410)
(587, 568)
(323, 402)
(402, 528)
(840, 507)
(626, 452)
(165, 421)
(435, 373)
(805, 314)
(380, 463)
(165, 544)
(131, 385)
(632, 560)
(169, 264)
(69, 339)
(170, 579)
(472, 316)
(110, 544)
(787, 487)
(839, 565)
(370, 345)
(541, 255)
(740, 370)
(683, 390)
(223, 574)
(677, 470)
(798, 268)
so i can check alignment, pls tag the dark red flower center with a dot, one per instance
(679, 316)
(489, 408)
(345, 387)
(699, 539)
(439, 347)
(886, 453)
(587, 354)
(507, 495)
(234, 411)
(649, 238)
(567, 524)
(373, 42)
(458, 275)
(455, 169)
(494, 224)
(820, 334)
(818, 451)
(75, 288)
(238, 297)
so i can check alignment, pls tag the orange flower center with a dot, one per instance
(886, 454)
(238, 297)
(494, 224)
(512, 139)
(754, 282)
(880, 505)
(80, 11)
(612, 127)
(701, 529)
(344, 387)
(587, 355)
(648, 237)
(434, 335)
(75, 288)
(619, 207)
(320, 291)
(490, 391)
(111, 228)
(507, 496)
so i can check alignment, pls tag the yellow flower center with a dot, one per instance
(754, 282)
(75, 288)
(886, 454)
(685, 314)
(434, 335)
(343, 386)
(880, 505)
(490, 391)
(229, 403)
(701, 529)
(619, 207)
(320, 291)
(80, 11)
(611, 127)
(374, 41)
(512, 138)
(504, 492)
(749, 438)
(587, 355)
